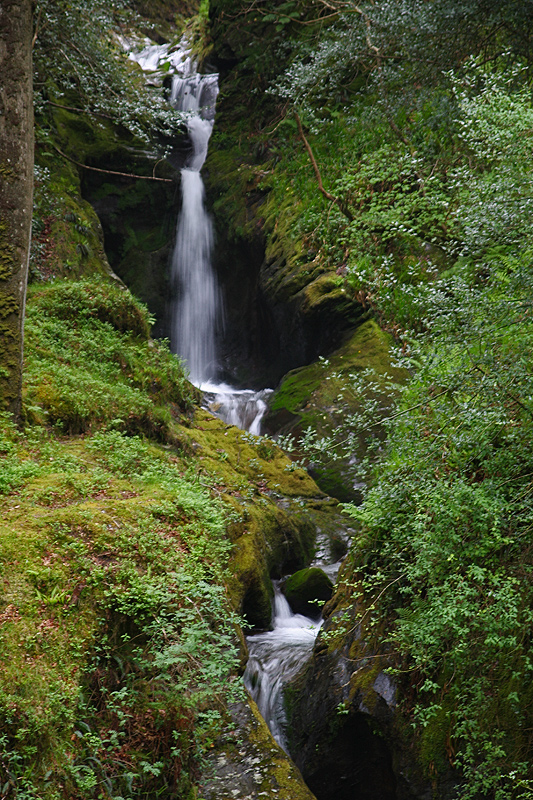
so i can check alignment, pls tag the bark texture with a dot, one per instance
(16, 190)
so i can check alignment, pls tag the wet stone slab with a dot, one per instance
(247, 764)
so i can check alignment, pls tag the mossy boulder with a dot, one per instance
(325, 393)
(307, 590)
(90, 363)
(92, 300)
(246, 762)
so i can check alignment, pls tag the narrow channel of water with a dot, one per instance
(274, 658)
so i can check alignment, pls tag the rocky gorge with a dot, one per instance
(368, 290)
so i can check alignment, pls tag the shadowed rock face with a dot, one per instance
(354, 763)
(336, 743)
(348, 733)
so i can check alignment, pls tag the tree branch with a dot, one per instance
(111, 171)
(342, 206)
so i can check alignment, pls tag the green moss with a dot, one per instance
(326, 289)
(92, 300)
(67, 239)
(321, 396)
(97, 532)
(6, 253)
(307, 590)
(89, 362)
(435, 743)
(9, 350)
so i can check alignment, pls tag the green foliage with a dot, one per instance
(419, 119)
(15, 470)
(90, 362)
(447, 525)
(76, 56)
(118, 646)
(88, 299)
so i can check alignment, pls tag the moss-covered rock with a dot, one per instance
(246, 762)
(275, 511)
(90, 362)
(322, 395)
(349, 727)
(307, 590)
(67, 238)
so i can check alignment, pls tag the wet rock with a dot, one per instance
(307, 590)
(247, 764)
(323, 394)
(348, 732)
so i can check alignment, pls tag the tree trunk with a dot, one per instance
(16, 190)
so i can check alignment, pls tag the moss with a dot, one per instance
(108, 509)
(90, 363)
(247, 760)
(67, 239)
(9, 352)
(435, 744)
(326, 289)
(232, 186)
(88, 299)
(6, 253)
(90, 532)
(305, 588)
(320, 396)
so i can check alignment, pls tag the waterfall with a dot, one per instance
(274, 658)
(196, 305)
(196, 312)
(194, 315)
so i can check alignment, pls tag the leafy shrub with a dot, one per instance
(446, 530)
(89, 299)
(85, 368)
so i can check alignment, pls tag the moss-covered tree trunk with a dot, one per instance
(16, 189)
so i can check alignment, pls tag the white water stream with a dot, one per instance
(197, 314)
(278, 655)
(196, 311)
(274, 658)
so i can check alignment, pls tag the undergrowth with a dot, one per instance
(90, 362)
(119, 645)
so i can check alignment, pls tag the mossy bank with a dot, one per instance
(136, 526)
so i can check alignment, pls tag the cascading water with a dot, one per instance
(196, 309)
(278, 655)
(195, 314)
(274, 658)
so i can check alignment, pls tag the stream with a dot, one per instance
(197, 316)
(274, 658)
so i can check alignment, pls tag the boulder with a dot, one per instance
(305, 588)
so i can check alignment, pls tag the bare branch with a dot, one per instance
(344, 209)
(113, 172)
